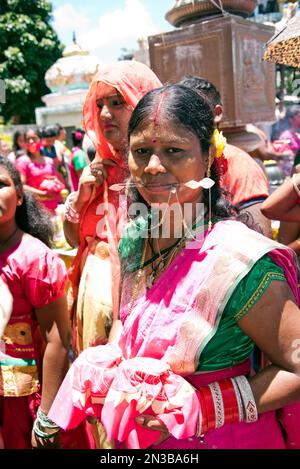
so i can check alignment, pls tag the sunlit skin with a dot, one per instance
(21, 142)
(49, 141)
(114, 115)
(163, 155)
(9, 200)
(32, 142)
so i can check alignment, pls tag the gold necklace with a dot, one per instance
(164, 263)
(140, 273)
(137, 279)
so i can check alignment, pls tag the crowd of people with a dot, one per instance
(177, 283)
(46, 164)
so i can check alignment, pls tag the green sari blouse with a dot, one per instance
(230, 345)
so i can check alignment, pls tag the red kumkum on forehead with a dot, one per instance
(157, 111)
(156, 114)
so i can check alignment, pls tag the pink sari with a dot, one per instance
(152, 369)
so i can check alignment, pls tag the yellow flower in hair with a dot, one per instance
(219, 141)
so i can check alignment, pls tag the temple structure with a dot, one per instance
(68, 79)
(221, 45)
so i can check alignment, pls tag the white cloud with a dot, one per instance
(67, 19)
(113, 30)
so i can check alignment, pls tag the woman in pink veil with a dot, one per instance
(95, 216)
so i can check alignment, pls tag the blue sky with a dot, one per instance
(105, 26)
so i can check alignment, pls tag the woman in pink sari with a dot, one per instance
(199, 290)
(39, 174)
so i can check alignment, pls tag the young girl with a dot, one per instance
(34, 356)
(39, 174)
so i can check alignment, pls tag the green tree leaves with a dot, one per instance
(28, 47)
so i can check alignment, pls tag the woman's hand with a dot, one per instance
(40, 194)
(45, 443)
(151, 423)
(92, 176)
(44, 195)
(99, 340)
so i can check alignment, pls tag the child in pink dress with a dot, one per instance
(35, 342)
(39, 173)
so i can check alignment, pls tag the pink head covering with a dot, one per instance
(132, 80)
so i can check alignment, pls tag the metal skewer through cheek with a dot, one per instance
(189, 234)
(205, 183)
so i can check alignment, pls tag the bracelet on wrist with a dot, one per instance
(228, 401)
(44, 427)
(44, 419)
(41, 433)
(250, 409)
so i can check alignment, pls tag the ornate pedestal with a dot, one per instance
(185, 12)
(228, 52)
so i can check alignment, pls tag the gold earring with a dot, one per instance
(208, 172)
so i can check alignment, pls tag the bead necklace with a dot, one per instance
(140, 275)
(137, 280)
(165, 258)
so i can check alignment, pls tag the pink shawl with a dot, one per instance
(162, 340)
